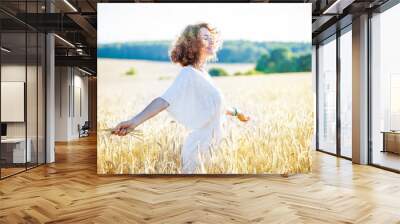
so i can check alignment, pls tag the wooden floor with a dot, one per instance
(387, 159)
(70, 191)
(10, 171)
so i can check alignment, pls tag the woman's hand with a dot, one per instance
(237, 113)
(122, 128)
(151, 110)
(242, 117)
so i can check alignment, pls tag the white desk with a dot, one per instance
(19, 149)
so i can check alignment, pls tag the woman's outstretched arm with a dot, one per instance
(151, 110)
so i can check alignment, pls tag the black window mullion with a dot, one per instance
(37, 90)
(45, 94)
(45, 87)
(317, 97)
(369, 90)
(338, 98)
(26, 87)
(37, 99)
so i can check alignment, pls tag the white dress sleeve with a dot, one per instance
(178, 87)
(193, 101)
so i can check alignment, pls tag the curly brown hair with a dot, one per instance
(186, 49)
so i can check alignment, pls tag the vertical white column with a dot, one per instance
(360, 90)
(379, 92)
(50, 93)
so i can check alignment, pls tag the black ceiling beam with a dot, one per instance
(63, 51)
(8, 16)
(44, 22)
(11, 25)
(77, 61)
(331, 30)
(85, 26)
(49, 22)
(91, 5)
(323, 23)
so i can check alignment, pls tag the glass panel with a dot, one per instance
(31, 100)
(346, 94)
(386, 89)
(23, 89)
(394, 101)
(31, 85)
(41, 98)
(327, 97)
(13, 87)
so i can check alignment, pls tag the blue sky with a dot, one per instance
(122, 22)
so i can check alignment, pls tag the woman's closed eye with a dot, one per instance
(207, 38)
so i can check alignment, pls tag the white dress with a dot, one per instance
(195, 102)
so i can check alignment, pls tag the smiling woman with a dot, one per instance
(196, 44)
(193, 99)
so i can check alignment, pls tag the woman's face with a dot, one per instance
(207, 41)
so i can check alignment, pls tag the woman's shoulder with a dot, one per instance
(188, 69)
(188, 72)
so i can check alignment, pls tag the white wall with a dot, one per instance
(12, 73)
(80, 100)
(61, 103)
(70, 83)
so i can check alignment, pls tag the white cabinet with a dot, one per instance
(18, 149)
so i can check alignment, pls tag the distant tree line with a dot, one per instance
(144, 50)
(268, 57)
(282, 60)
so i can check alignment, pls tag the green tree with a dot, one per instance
(282, 59)
(303, 63)
(262, 63)
(217, 72)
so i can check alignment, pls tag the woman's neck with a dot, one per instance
(200, 68)
(200, 65)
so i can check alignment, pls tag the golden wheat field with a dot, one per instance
(276, 140)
